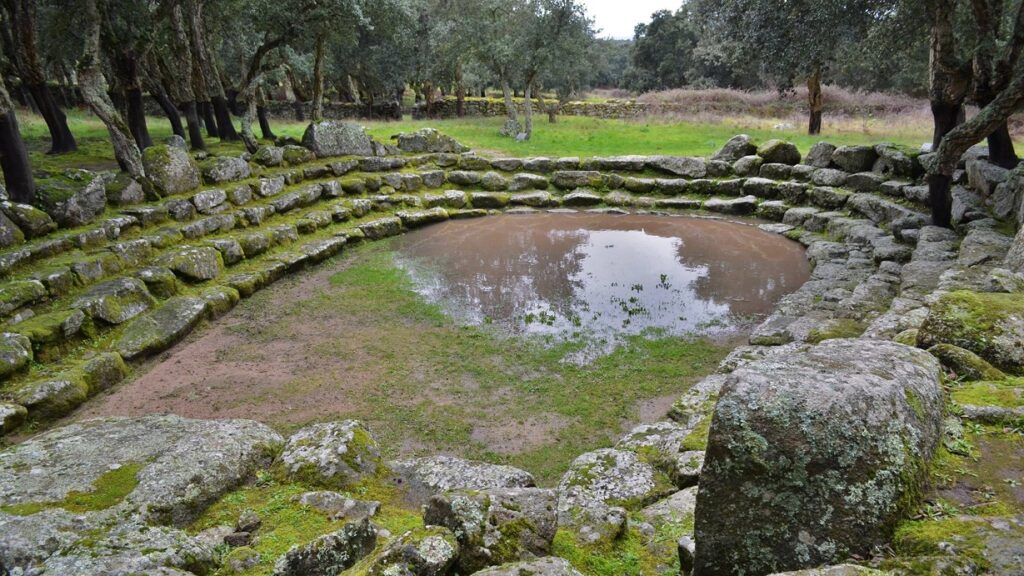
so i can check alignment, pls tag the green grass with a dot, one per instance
(570, 136)
(425, 381)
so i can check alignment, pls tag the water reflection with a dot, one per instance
(601, 277)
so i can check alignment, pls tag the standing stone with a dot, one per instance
(814, 456)
(171, 169)
(335, 138)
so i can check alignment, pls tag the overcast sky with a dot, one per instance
(617, 18)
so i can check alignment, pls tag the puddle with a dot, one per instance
(599, 278)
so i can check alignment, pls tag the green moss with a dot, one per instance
(923, 538)
(1007, 393)
(109, 489)
(841, 328)
(627, 556)
(697, 439)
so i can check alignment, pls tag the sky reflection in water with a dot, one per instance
(601, 277)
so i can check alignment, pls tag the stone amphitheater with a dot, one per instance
(809, 449)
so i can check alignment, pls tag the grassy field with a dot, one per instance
(570, 136)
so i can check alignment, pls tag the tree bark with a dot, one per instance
(528, 109)
(512, 125)
(211, 75)
(946, 117)
(25, 57)
(815, 102)
(169, 110)
(317, 112)
(137, 118)
(1000, 148)
(21, 186)
(209, 120)
(460, 92)
(94, 92)
(261, 114)
(195, 134)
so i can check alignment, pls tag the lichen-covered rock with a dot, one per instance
(1015, 257)
(171, 169)
(15, 353)
(489, 200)
(338, 506)
(269, 156)
(336, 454)
(600, 486)
(581, 198)
(70, 202)
(32, 221)
(496, 526)
(14, 295)
(162, 328)
(224, 169)
(855, 159)
(687, 167)
(11, 416)
(748, 166)
(10, 234)
(382, 228)
(160, 469)
(820, 155)
(336, 138)
(734, 206)
(894, 162)
(779, 152)
(116, 301)
(550, 566)
(415, 219)
(428, 551)
(330, 554)
(208, 200)
(421, 478)
(737, 147)
(989, 325)
(429, 140)
(195, 263)
(839, 570)
(814, 456)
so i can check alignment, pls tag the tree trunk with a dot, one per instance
(317, 112)
(946, 117)
(261, 114)
(251, 144)
(460, 92)
(941, 199)
(61, 138)
(1000, 148)
(528, 109)
(815, 102)
(209, 120)
(137, 118)
(94, 92)
(225, 126)
(195, 134)
(13, 154)
(170, 111)
(512, 124)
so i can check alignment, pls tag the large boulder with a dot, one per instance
(336, 138)
(855, 159)
(162, 328)
(990, 325)
(421, 478)
(779, 152)
(814, 456)
(336, 454)
(429, 140)
(75, 200)
(737, 147)
(224, 169)
(171, 169)
(496, 526)
(599, 489)
(91, 481)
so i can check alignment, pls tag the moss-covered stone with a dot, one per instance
(988, 324)
(11, 417)
(52, 397)
(195, 263)
(14, 295)
(964, 363)
(170, 169)
(116, 301)
(426, 551)
(15, 353)
(162, 328)
(29, 220)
